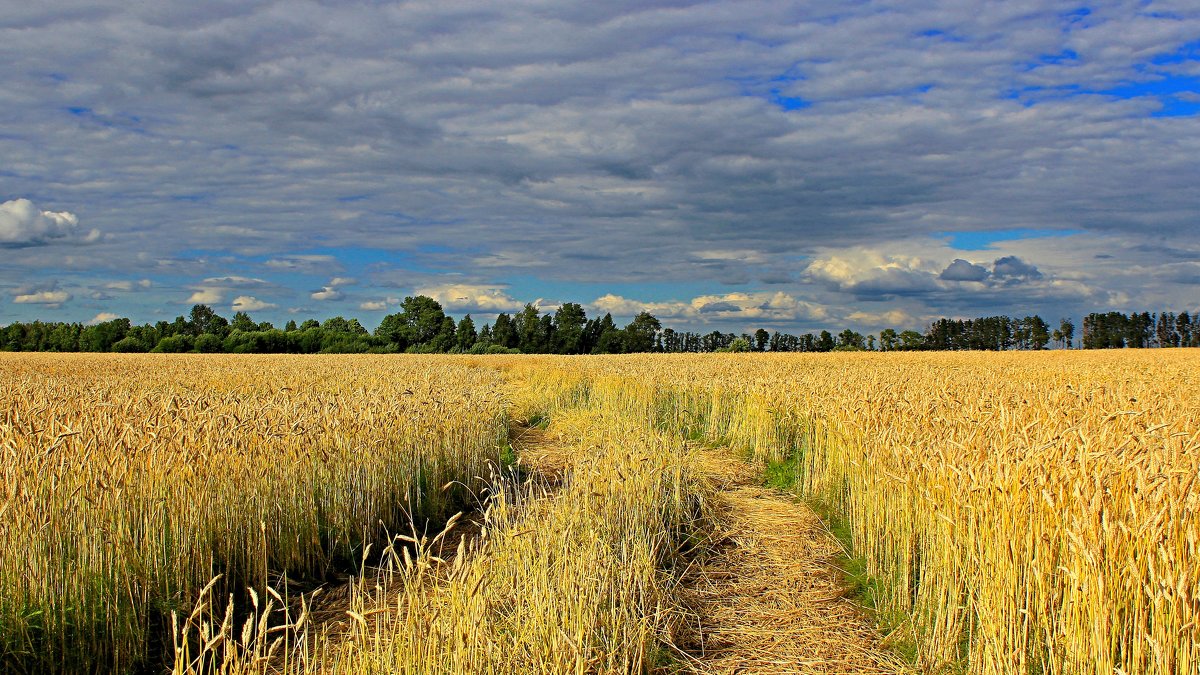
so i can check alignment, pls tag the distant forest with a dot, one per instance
(421, 326)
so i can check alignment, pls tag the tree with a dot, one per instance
(525, 325)
(761, 338)
(640, 334)
(1165, 329)
(888, 339)
(825, 342)
(738, 345)
(1183, 328)
(911, 340)
(418, 323)
(208, 344)
(243, 322)
(503, 333)
(102, 336)
(1035, 333)
(1066, 329)
(465, 334)
(609, 340)
(205, 320)
(290, 326)
(569, 322)
(849, 339)
(129, 344)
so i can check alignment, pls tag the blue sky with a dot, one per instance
(725, 165)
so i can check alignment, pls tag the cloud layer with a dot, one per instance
(663, 151)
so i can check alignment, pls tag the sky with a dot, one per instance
(725, 165)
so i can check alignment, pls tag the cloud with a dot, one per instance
(330, 291)
(669, 146)
(102, 317)
(50, 299)
(472, 298)
(762, 306)
(961, 270)
(206, 296)
(127, 285)
(249, 303)
(373, 305)
(22, 223)
(896, 318)
(308, 264)
(237, 281)
(870, 273)
(718, 307)
(1012, 269)
(326, 294)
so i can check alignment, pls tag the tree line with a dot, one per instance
(422, 326)
(1114, 330)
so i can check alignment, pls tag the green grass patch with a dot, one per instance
(784, 474)
(508, 455)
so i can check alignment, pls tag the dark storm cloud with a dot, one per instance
(961, 270)
(595, 142)
(1011, 268)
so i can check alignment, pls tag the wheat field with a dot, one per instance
(1013, 513)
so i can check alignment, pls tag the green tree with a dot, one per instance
(465, 334)
(761, 338)
(527, 327)
(849, 339)
(738, 345)
(825, 342)
(243, 322)
(102, 336)
(609, 340)
(205, 320)
(208, 344)
(418, 323)
(129, 344)
(911, 339)
(888, 339)
(569, 322)
(503, 332)
(1039, 332)
(640, 334)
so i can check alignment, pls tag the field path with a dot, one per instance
(769, 598)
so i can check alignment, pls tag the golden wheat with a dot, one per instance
(1018, 513)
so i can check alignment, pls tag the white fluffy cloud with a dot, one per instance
(102, 317)
(249, 303)
(865, 271)
(327, 293)
(472, 297)
(47, 298)
(331, 291)
(23, 223)
(206, 296)
(760, 306)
